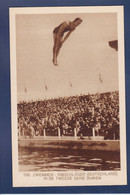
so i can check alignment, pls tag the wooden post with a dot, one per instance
(93, 130)
(23, 133)
(75, 133)
(44, 131)
(59, 135)
(114, 136)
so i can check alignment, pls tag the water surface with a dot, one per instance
(67, 160)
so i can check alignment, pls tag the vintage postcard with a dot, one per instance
(68, 96)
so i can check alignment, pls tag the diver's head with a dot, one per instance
(77, 21)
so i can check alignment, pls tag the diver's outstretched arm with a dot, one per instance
(67, 35)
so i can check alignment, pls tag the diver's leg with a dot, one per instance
(55, 54)
(57, 45)
(54, 48)
(58, 49)
(60, 42)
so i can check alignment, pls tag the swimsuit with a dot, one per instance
(67, 28)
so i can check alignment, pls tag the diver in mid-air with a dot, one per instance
(59, 38)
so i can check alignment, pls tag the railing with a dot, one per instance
(74, 135)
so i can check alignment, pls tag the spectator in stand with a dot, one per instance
(84, 112)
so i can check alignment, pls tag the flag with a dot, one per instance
(100, 78)
(71, 84)
(46, 87)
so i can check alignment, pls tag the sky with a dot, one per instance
(84, 56)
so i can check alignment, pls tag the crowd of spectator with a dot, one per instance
(83, 113)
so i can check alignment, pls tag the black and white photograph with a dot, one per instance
(68, 96)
